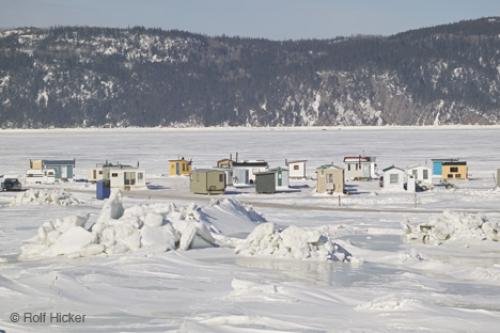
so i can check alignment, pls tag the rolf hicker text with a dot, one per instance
(51, 318)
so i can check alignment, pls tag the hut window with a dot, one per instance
(330, 178)
(221, 178)
(140, 175)
(348, 167)
(100, 172)
(394, 178)
(458, 175)
(295, 167)
(130, 178)
(426, 174)
(114, 174)
(450, 175)
(454, 169)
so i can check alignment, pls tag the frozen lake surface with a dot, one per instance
(394, 286)
(153, 147)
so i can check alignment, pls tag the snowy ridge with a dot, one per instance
(452, 226)
(153, 228)
(165, 227)
(291, 243)
(44, 197)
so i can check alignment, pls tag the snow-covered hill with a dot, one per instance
(83, 76)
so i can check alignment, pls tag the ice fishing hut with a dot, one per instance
(119, 176)
(208, 181)
(455, 170)
(397, 180)
(96, 174)
(180, 167)
(64, 169)
(421, 174)
(271, 180)
(244, 171)
(45, 176)
(126, 177)
(441, 168)
(228, 175)
(498, 178)
(297, 169)
(360, 167)
(225, 163)
(330, 179)
(437, 166)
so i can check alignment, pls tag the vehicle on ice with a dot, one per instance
(8, 183)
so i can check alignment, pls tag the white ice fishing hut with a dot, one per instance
(244, 172)
(360, 167)
(297, 169)
(397, 180)
(422, 175)
(124, 177)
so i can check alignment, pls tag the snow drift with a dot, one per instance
(154, 228)
(452, 226)
(44, 197)
(266, 240)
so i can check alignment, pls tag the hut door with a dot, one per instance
(177, 171)
(247, 177)
(437, 168)
(64, 172)
(280, 179)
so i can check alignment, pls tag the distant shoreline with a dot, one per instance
(245, 128)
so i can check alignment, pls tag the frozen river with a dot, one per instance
(393, 286)
(153, 147)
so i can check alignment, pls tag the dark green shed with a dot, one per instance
(265, 182)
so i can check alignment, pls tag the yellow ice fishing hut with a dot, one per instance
(455, 170)
(179, 167)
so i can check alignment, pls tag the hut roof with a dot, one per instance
(329, 166)
(359, 158)
(392, 167)
(251, 163)
(455, 163)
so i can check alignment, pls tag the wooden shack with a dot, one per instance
(208, 181)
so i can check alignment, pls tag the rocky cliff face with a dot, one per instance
(81, 76)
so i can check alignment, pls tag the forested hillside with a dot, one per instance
(85, 76)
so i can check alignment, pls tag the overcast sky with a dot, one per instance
(275, 19)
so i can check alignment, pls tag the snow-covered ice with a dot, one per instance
(164, 260)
